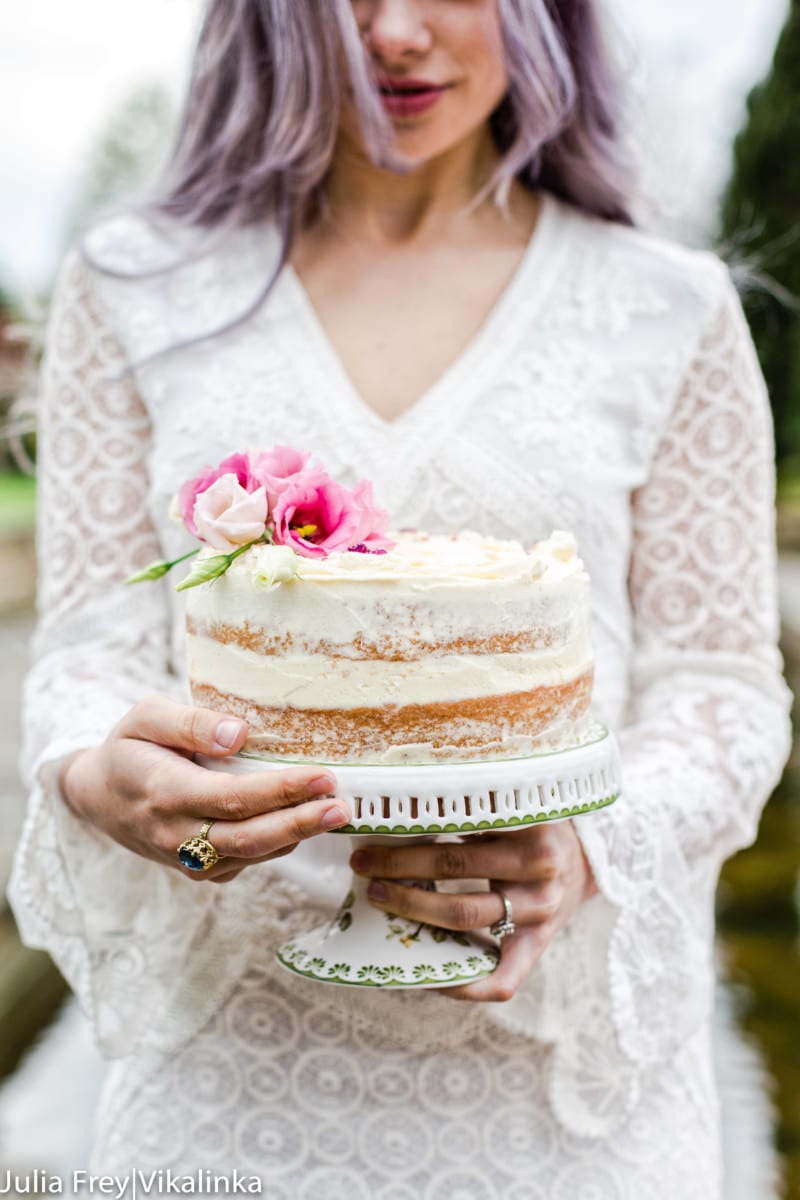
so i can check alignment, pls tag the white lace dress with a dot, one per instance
(614, 391)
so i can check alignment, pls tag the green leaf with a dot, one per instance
(153, 570)
(205, 570)
(217, 564)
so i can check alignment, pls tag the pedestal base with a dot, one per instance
(364, 947)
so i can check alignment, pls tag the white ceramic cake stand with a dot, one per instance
(365, 947)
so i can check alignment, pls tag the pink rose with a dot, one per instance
(236, 464)
(227, 515)
(276, 467)
(317, 516)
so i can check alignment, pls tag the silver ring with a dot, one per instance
(505, 926)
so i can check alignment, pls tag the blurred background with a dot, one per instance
(89, 92)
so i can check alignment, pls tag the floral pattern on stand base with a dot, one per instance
(364, 947)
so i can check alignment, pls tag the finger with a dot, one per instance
(531, 904)
(229, 797)
(540, 849)
(519, 954)
(508, 859)
(263, 837)
(162, 720)
(228, 868)
(226, 876)
(466, 910)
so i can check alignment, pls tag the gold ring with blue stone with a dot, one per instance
(197, 853)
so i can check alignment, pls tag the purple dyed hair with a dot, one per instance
(259, 125)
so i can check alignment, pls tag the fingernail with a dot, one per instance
(320, 785)
(358, 860)
(226, 733)
(333, 817)
(376, 890)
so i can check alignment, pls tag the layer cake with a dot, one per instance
(444, 648)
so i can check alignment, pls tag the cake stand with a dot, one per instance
(365, 947)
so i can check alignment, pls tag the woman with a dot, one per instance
(458, 307)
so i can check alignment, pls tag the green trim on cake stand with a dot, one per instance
(553, 814)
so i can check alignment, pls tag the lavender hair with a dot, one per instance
(259, 124)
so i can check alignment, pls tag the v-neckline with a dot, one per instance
(521, 287)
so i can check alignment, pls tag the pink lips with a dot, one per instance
(406, 97)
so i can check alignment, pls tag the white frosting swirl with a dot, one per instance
(431, 559)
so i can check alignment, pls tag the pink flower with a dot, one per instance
(236, 464)
(374, 520)
(227, 515)
(276, 467)
(317, 516)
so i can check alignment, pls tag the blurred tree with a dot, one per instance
(761, 230)
(16, 357)
(127, 155)
(128, 152)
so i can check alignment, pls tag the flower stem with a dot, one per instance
(155, 570)
(183, 557)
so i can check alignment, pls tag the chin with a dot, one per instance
(420, 147)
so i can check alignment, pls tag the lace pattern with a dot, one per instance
(640, 421)
(708, 734)
(325, 1107)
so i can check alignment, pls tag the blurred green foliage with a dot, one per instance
(761, 229)
(17, 503)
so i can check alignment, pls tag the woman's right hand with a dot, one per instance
(143, 789)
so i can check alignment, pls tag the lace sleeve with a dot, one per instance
(110, 919)
(709, 729)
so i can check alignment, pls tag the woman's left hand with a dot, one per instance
(543, 872)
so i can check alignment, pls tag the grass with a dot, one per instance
(17, 504)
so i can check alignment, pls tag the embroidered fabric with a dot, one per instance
(613, 390)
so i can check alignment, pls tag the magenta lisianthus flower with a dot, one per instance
(277, 467)
(374, 520)
(235, 464)
(317, 516)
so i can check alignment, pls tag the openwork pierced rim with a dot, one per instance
(404, 800)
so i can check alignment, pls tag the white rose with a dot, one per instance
(227, 516)
(277, 564)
